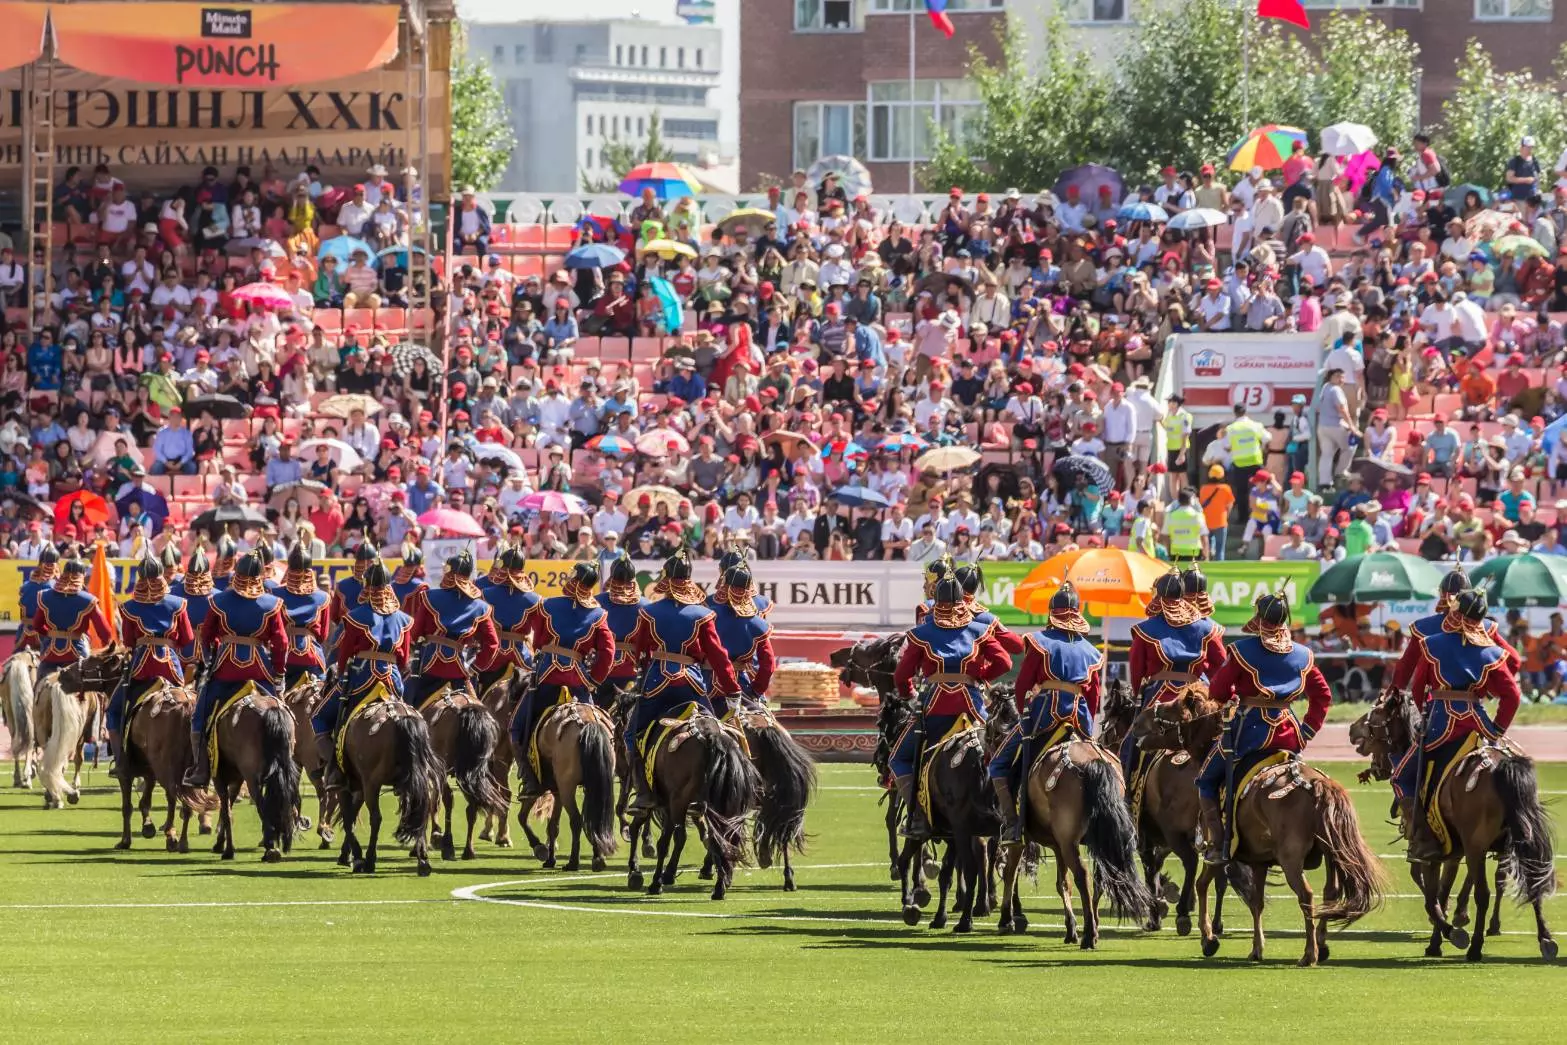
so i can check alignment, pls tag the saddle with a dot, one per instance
(1060, 750)
(1476, 754)
(1279, 772)
(159, 700)
(445, 699)
(379, 695)
(672, 731)
(247, 696)
(965, 735)
(558, 716)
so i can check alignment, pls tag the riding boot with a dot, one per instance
(1210, 825)
(198, 775)
(117, 750)
(1011, 823)
(326, 749)
(642, 800)
(1424, 847)
(917, 827)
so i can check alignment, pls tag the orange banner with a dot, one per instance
(193, 45)
(23, 39)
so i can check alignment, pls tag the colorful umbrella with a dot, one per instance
(95, 510)
(1518, 245)
(451, 521)
(1454, 195)
(595, 256)
(611, 443)
(661, 442)
(343, 248)
(1114, 582)
(665, 179)
(345, 403)
(1141, 211)
(1377, 577)
(656, 495)
(900, 441)
(947, 458)
(264, 295)
(1523, 580)
(753, 219)
(556, 502)
(307, 492)
(1266, 147)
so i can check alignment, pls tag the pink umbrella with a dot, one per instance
(1357, 168)
(556, 502)
(450, 520)
(661, 442)
(265, 295)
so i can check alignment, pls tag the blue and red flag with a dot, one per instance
(937, 9)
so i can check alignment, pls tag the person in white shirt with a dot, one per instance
(1120, 425)
(1150, 412)
(609, 517)
(116, 219)
(1469, 323)
(554, 417)
(1345, 357)
(992, 308)
(801, 523)
(171, 292)
(932, 404)
(1312, 259)
(835, 271)
(364, 437)
(138, 273)
(1213, 307)
(13, 277)
(1072, 210)
(1436, 320)
(1246, 189)
(1457, 246)
(1266, 210)
(378, 187)
(1242, 227)
(897, 532)
(927, 545)
(1089, 444)
(741, 515)
(353, 216)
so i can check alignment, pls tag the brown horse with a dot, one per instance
(66, 716)
(157, 747)
(788, 782)
(1166, 819)
(303, 699)
(502, 697)
(576, 748)
(255, 749)
(1296, 819)
(1491, 803)
(388, 744)
(464, 736)
(700, 770)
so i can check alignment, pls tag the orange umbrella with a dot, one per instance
(100, 584)
(1113, 582)
(95, 510)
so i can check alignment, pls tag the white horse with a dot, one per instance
(16, 703)
(67, 715)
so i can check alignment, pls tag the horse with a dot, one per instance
(871, 663)
(1296, 817)
(464, 736)
(17, 697)
(575, 744)
(1073, 798)
(1165, 819)
(502, 697)
(699, 770)
(388, 744)
(65, 713)
(254, 743)
(1490, 801)
(303, 698)
(788, 780)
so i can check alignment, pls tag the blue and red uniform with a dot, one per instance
(674, 642)
(510, 604)
(62, 624)
(244, 640)
(1265, 683)
(1451, 683)
(956, 660)
(307, 611)
(622, 618)
(1058, 691)
(448, 621)
(1423, 629)
(374, 649)
(38, 582)
(749, 642)
(573, 651)
(196, 592)
(156, 631)
(1164, 657)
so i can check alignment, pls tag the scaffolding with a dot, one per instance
(38, 183)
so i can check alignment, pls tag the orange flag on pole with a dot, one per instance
(101, 586)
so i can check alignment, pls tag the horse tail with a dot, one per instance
(1360, 873)
(477, 735)
(1528, 830)
(729, 781)
(788, 777)
(67, 718)
(279, 796)
(1111, 839)
(596, 762)
(417, 779)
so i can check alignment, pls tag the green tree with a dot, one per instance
(482, 137)
(620, 157)
(1034, 122)
(1489, 113)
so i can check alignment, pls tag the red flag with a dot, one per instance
(937, 9)
(1291, 11)
(101, 584)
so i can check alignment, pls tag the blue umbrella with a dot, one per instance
(342, 248)
(148, 497)
(595, 256)
(860, 497)
(399, 255)
(1087, 179)
(850, 450)
(1141, 211)
(1553, 433)
(610, 443)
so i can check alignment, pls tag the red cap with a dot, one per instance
(1263, 476)
(1296, 531)
(1167, 171)
(1206, 168)
(1025, 389)
(1423, 477)
(1439, 417)
(1516, 359)
(1308, 237)
(1116, 388)
(1297, 477)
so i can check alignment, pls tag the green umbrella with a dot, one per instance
(1454, 196)
(1518, 245)
(1523, 580)
(1377, 577)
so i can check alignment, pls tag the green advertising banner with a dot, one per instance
(1233, 585)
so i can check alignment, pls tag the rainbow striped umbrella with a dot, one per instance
(1266, 147)
(665, 179)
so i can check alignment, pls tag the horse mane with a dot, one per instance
(1196, 698)
(1403, 714)
(1001, 703)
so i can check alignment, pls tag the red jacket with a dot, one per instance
(1412, 657)
(1144, 660)
(595, 651)
(1233, 680)
(1500, 685)
(1033, 672)
(992, 662)
(355, 640)
(703, 646)
(226, 665)
(164, 666)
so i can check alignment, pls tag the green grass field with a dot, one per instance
(148, 946)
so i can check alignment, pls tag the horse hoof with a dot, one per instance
(228, 854)
(1459, 937)
(932, 869)
(649, 851)
(1019, 925)
(1069, 938)
(271, 856)
(939, 922)
(1473, 955)
(183, 846)
(1494, 930)
(448, 852)
(1210, 947)
(1322, 951)
(124, 843)
(72, 797)
(203, 829)
(1461, 918)
(1548, 950)
(718, 892)
(469, 854)
(1088, 943)
(326, 843)
(302, 824)
(1183, 925)
(981, 910)
(571, 865)
(705, 874)
(171, 845)
(634, 880)
(548, 863)
(921, 896)
(911, 915)
(598, 863)
(894, 875)
(963, 927)
(1255, 956)
(147, 830)
(1304, 963)
(1434, 950)
(1152, 925)
(541, 852)
(503, 843)
(423, 869)
(669, 876)
(484, 834)
(657, 888)
(788, 885)
(343, 861)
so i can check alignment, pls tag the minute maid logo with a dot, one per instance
(1208, 363)
(225, 23)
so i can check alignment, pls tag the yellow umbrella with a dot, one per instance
(753, 218)
(947, 458)
(1113, 582)
(668, 248)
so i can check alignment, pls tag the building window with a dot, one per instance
(702, 130)
(901, 125)
(641, 126)
(663, 58)
(1513, 10)
(823, 16)
(619, 57)
(644, 57)
(699, 58)
(519, 54)
(827, 129)
(1097, 12)
(680, 57)
(601, 126)
(587, 158)
(500, 54)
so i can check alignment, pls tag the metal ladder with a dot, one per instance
(38, 175)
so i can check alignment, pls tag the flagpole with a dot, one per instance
(913, 112)
(1245, 70)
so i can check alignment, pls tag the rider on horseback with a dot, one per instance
(972, 578)
(498, 573)
(264, 552)
(1461, 666)
(36, 584)
(345, 595)
(736, 555)
(306, 607)
(195, 587)
(1057, 695)
(955, 654)
(373, 649)
(409, 577)
(1265, 673)
(1454, 584)
(65, 615)
(511, 599)
(447, 621)
(1177, 644)
(156, 627)
(573, 651)
(623, 603)
(244, 642)
(223, 569)
(747, 638)
(935, 569)
(676, 635)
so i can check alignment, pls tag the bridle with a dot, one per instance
(1182, 726)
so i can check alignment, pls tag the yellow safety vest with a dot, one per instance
(1184, 525)
(1177, 428)
(1245, 443)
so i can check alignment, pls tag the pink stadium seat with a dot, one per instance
(392, 320)
(614, 349)
(328, 319)
(647, 348)
(560, 238)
